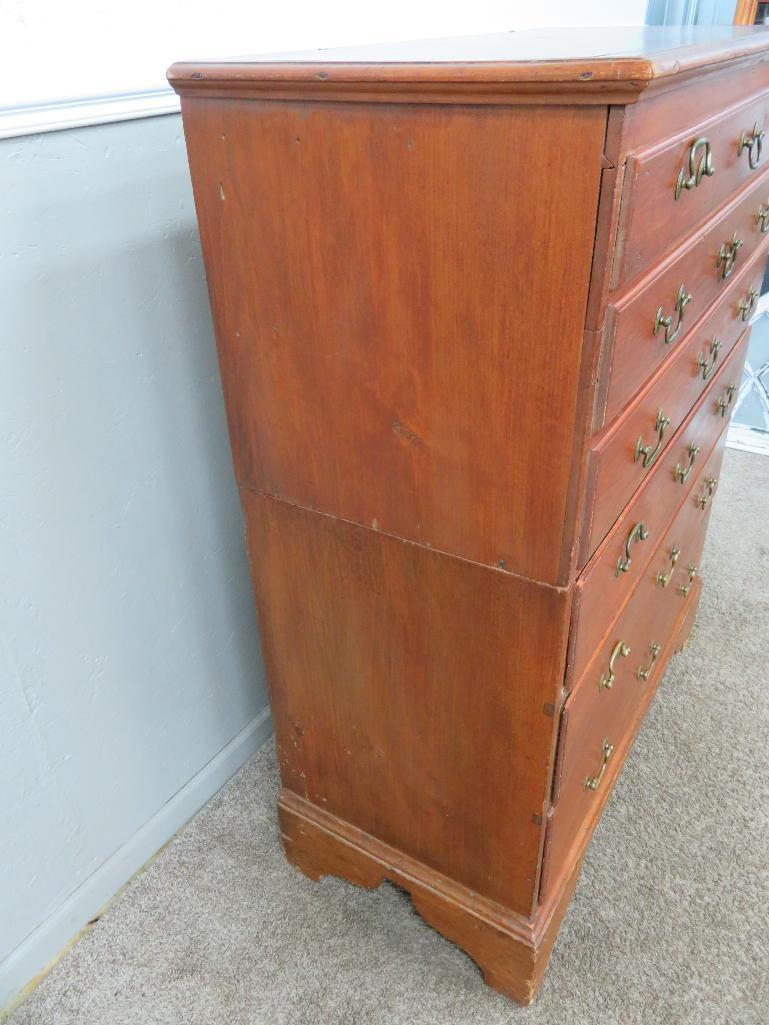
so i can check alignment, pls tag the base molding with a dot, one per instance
(511, 951)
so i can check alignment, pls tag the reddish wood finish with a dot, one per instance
(652, 220)
(633, 351)
(399, 679)
(599, 592)
(592, 716)
(512, 952)
(617, 469)
(641, 436)
(675, 107)
(410, 254)
(377, 370)
(614, 458)
(578, 66)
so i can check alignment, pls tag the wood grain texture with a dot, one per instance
(413, 259)
(578, 809)
(745, 12)
(701, 427)
(675, 107)
(599, 593)
(612, 180)
(511, 952)
(384, 285)
(633, 352)
(577, 65)
(652, 220)
(617, 468)
(617, 461)
(413, 693)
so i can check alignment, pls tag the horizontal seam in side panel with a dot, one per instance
(407, 541)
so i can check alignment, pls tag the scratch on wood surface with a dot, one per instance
(406, 432)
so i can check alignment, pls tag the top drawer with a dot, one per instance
(673, 187)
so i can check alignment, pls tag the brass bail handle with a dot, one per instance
(752, 142)
(638, 533)
(698, 168)
(682, 472)
(685, 588)
(748, 304)
(762, 216)
(663, 579)
(648, 453)
(593, 782)
(683, 298)
(727, 254)
(620, 649)
(705, 365)
(722, 404)
(643, 673)
(707, 492)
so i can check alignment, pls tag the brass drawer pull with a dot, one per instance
(706, 366)
(643, 674)
(638, 533)
(696, 170)
(727, 254)
(762, 216)
(593, 782)
(722, 404)
(753, 142)
(748, 304)
(681, 472)
(663, 579)
(650, 454)
(619, 649)
(704, 498)
(685, 588)
(682, 301)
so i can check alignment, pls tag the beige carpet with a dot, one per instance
(670, 923)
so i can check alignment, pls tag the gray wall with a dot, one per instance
(130, 675)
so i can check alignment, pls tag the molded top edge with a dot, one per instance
(589, 59)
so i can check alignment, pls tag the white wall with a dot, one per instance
(54, 50)
(130, 672)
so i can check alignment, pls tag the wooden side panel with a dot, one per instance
(414, 693)
(399, 295)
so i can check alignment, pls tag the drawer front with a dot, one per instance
(599, 592)
(636, 351)
(601, 715)
(660, 491)
(624, 455)
(673, 188)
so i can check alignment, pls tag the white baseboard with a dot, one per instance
(44, 944)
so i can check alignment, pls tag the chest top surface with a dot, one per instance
(589, 59)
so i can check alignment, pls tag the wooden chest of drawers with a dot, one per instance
(481, 308)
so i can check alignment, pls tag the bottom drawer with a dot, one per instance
(602, 713)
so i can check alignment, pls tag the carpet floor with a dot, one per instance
(670, 922)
